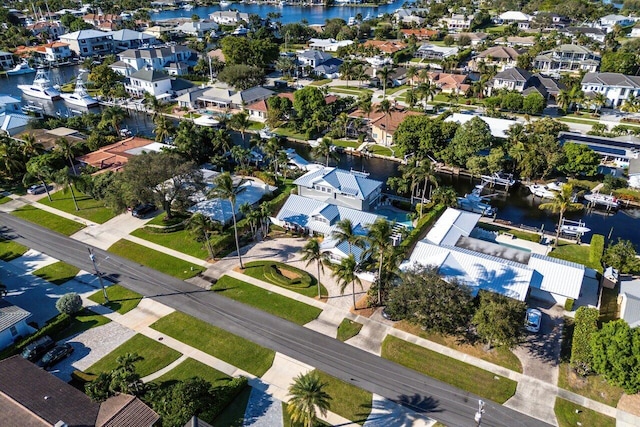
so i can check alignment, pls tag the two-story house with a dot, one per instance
(514, 79)
(153, 82)
(608, 22)
(515, 17)
(431, 51)
(320, 63)
(53, 53)
(197, 28)
(156, 58)
(383, 126)
(229, 17)
(457, 22)
(51, 29)
(89, 42)
(616, 87)
(502, 57)
(130, 39)
(567, 58)
(593, 33)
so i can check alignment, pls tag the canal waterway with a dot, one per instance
(290, 13)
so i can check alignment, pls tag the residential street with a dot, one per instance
(433, 398)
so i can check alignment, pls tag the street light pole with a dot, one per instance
(478, 416)
(92, 257)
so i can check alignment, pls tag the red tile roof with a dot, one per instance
(114, 156)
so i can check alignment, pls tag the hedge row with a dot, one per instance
(596, 249)
(52, 328)
(586, 324)
(272, 272)
(421, 227)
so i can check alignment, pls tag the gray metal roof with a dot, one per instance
(513, 74)
(341, 181)
(150, 75)
(557, 276)
(11, 314)
(612, 79)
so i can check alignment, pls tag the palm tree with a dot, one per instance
(385, 107)
(66, 149)
(345, 273)
(426, 91)
(631, 104)
(383, 75)
(312, 253)
(201, 225)
(424, 172)
(378, 237)
(30, 146)
(153, 103)
(164, 128)
(347, 71)
(412, 72)
(40, 168)
(563, 100)
(65, 179)
(307, 398)
(345, 232)
(598, 101)
(225, 189)
(240, 122)
(325, 149)
(411, 98)
(562, 203)
(113, 116)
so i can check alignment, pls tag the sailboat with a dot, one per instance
(41, 87)
(80, 96)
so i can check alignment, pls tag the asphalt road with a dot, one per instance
(451, 406)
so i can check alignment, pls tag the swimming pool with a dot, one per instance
(399, 217)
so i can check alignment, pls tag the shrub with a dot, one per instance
(586, 324)
(70, 303)
(568, 304)
(596, 249)
(421, 227)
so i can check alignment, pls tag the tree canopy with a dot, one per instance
(579, 160)
(470, 138)
(616, 355)
(622, 256)
(499, 319)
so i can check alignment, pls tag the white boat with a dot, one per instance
(41, 87)
(187, 7)
(206, 120)
(606, 200)
(265, 133)
(555, 185)
(282, 3)
(225, 3)
(542, 191)
(474, 203)
(80, 96)
(499, 178)
(352, 21)
(21, 68)
(574, 228)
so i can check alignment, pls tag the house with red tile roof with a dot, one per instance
(115, 156)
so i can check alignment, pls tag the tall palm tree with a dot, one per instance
(307, 399)
(325, 149)
(378, 238)
(385, 107)
(411, 98)
(426, 91)
(64, 178)
(631, 104)
(164, 128)
(424, 172)
(221, 141)
(347, 71)
(40, 168)
(152, 102)
(30, 146)
(66, 149)
(598, 101)
(562, 203)
(345, 232)
(225, 189)
(383, 74)
(412, 72)
(563, 100)
(311, 253)
(345, 274)
(113, 117)
(201, 225)
(240, 122)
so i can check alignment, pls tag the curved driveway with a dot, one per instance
(433, 398)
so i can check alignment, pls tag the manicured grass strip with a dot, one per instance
(287, 422)
(46, 219)
(121, 299)
(181, 241)
(574, 253)
(233, 415)
(11, 250)
(217, 342)
(82, 321)
(345, 144)
(156, 356)
(256, 270)
(157, 260)
(57, 273)
(320, 82)
(448, 370)
(570, 414)
(192, 368)
(91, 209)
(276, 304)
(348, 329)
(347, 400)
(380, 150)
(5, 199)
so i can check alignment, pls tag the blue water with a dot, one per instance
(397, 216)
(312, 14)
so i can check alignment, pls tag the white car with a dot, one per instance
(532, 320)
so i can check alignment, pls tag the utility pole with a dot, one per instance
(478, 416)
(92, 257)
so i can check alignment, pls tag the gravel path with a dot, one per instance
(91, 346)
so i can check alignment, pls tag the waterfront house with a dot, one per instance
(388, 47)
(52, 30)
(197, 28)
(223, 98)
(6, 60)
(339, 187)
(616, 87)
(410, 16)
(103, 21)
(156, 58)
(567, 58)
(89, 42)
(499, 128)
(328, 45)
(430, 51)
(9, 103)
(629, 301)
(515, 17)
(153, 82)
(419, 33)
(158, 31)
(14, 123)
(474, 38)
(609, 21)
(502, 57)
(453, 250)
(516, 41)
(13, 323)
(312, 58)
(258, 110)
(229, 17)
(130, 39)
(457, 22)
(115, 156)
(593, 33)
(510, 79)
(383, 126)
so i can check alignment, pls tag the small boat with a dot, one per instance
(606, 200)
(352, 21)
(33, 109)
(187, 7)
(125, 133)
(282, 3)
(41, 87)
(21, 68)
(265, 133)
(80, 96)
(555, 185)
(225, 3)
(542, 191)
(573, 228)
(499, 178)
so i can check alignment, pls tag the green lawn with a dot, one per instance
(348, 400)
(48, 220)
(181, 241)
(192, 368)
(320, 82)
(156, 260)
(348, 329)
(255, 269)
(448, 370)
(276, 304)
(352, 92)
(217, 342)
(290, 133)
(5, 199)
(156, 356)
(11, 250)
(233, 415)
(91, 209)
(57, 273)
(392, 90)
(578, 121)
(570, 414)
(82, 321)
(256, 126)
(574, 253)
(345, 144)
(121, 300)
(380, 150)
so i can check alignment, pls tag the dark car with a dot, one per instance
(52, 357)
(141, 210)
(37, 348)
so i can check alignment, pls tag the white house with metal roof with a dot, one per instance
(340, 187)
(13, 323)
(629, 301)
(481, 264)
(89, 42)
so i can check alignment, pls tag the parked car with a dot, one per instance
(36, 189)
(141, 210)
(55, 355)
(533, 319)
(36, 349)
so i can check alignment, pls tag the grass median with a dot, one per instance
(48, 220)
(90, 208)
(57, 273)
(217, 342)
(276, 304)
(156, 356)
(10, 250)
(571, 414)
(448, 370)
(181, 241)
(121, 300)
(157, 260)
